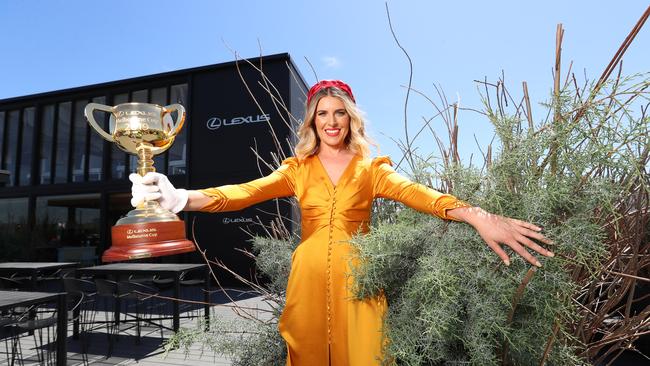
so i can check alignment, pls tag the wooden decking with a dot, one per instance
(149, 351)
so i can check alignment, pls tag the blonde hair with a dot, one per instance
(357, 140)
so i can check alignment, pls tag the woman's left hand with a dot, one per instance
(496, 230)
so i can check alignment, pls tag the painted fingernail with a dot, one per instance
(507, 262)
(551, 254)
(538, 264)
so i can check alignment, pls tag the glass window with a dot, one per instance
(97, 144)
(140, 96)
(15, 235)
(159, 96)
(178, 151)
(25, 177)
(80, 129)
(118, 157)
(47, 138)
(2, 135)
(11, 128)
(70, 220)
(62, 142)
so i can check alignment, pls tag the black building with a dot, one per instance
(63, 186)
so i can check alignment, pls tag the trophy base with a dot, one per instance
(146, 240)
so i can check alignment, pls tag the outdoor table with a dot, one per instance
(12, 299)
(173, 270)
(33, 269)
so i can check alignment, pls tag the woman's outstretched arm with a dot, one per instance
(156, 186)
(494, 229)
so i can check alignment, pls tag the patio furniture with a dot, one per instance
(14, 299)
(140, 304)
(135, 301)
(122, 271)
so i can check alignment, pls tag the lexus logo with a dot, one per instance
(237, 220)
(215, 123)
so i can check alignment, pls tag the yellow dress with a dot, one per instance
(322, 324)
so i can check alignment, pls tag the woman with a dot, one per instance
(335, 183)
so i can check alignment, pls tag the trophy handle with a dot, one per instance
(88, 112)
(180, 119)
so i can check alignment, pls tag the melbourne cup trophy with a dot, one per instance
(144, 130)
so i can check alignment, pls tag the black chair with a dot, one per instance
(185, 280)
(25, 281)
(191, 287)
(79, 285)
(147, 280)
(140, 304)
(13, 284)
(106, 297)
(163, 283)
(7, 321)
(43, 328)
(85, 292)
(48, 281)
(136, 302)
(9, 318)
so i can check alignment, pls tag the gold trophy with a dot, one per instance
(144, 130)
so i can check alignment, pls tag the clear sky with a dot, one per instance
(58, 44)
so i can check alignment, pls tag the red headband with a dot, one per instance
(323, 84)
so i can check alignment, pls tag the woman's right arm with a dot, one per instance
(155, 186)
(235, 197)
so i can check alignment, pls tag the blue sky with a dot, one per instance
(57, 44)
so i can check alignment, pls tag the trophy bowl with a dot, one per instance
(144, 130)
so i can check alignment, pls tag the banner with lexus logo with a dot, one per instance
(226, 125)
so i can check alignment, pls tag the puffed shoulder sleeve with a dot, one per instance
(233, 197)
(387, 183)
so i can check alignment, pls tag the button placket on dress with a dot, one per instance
(329, 269)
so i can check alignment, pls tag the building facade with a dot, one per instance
(62, 186)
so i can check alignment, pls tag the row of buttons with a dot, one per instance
(329, 271)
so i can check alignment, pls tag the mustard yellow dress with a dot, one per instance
(322, 324)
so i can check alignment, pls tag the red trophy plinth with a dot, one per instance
(135, 241)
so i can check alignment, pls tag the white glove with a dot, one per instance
(156, 187)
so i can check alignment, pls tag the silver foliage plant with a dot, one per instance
(451, 300)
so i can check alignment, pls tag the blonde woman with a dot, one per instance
(335, 181)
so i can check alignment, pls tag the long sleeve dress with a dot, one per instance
(321, 323)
